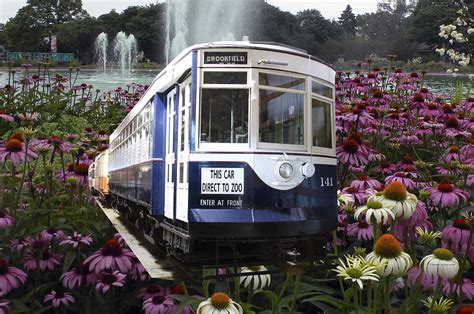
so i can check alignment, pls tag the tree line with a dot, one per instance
(405, 28)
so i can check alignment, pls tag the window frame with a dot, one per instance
(258, 87)
(206, 146)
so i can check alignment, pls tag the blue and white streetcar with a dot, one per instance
(233, 141)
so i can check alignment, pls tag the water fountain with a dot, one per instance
(125, 50)
(190, 22)
(101, 46)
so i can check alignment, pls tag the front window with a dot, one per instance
(224, 115)
(281, 109)
(321, 116)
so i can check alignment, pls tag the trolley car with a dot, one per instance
(232, 141)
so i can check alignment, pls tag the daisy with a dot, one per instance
(58, 298)
(356, 270)
(151, 291)
(260, 281)
(111, 256)
(361, 230)
(106, 280)
(14, 150)
(159, 304)
(389, 256)
(467, 287)
(441, 263)
(10, 277)
(446, 195)
(396, 196)
(5, 219)
(375, 212)
(77, 239)
(78, 277)
(219, 303)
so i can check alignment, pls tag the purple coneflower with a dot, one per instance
(431, 110)
(78, 277)
(427, 281)
(365, 182)
(77, 239)
(51, 233)
(159, 305)
(81, 171)
(446, 195)
(359, 195)
(401, 177)
(4, 308)
(361, 230)
(138, 271)
(47, 260)
(151, 291)
(456, 235)
(18, 245)
(351, 153)
(5, 117)
(5, 219)
(10, 277)
(111, 256)
(58, 144)
(58, 298)
(467, 287)
(107, 280)
(14, 150)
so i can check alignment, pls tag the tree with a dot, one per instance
(23, 33)
(52, 12)
(348, 21)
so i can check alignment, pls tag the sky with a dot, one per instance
(330, 9)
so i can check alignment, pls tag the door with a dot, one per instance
(170, 159)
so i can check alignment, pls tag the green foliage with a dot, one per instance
(348, 21)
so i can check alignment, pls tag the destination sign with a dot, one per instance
(225, 57)
(222, 181)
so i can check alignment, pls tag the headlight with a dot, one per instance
(286, 170)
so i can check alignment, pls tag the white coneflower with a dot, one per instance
(375, 212)
(357, 270)
(344, 199)
(441, 263)
(390, 258)
(259, 281)
(219, 303)
(396, 196)
(442, 305)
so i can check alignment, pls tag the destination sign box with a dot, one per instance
(225, 57)
(222, 181)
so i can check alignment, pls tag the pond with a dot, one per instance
(439, 83)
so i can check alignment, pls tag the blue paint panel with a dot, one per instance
(133, 183)
(262, 203)
(158, 151)
(192, 129)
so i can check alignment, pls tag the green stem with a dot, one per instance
(295, 292)
(387, 295)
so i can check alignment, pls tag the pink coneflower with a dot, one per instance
(446, 195)
(417, 101)
(427, 281)
(58, 298)
(77, 239)
(81, 171)
(419, 218)
(47, 260)
(51, 233)
(5, 219)
(58, 144)
(467, 287)
(138, 271)
(4, 308)
(14, 149)
(78, 277)
(456, 235)
(386, 167)
(118, 237)
(151, 291)
(409, 139)
(107, 280)
(10, 277)
(365, 182)
(361, 230)
(111, 256)
(159, 305)
(426, 93)
(350, 153)
(401, 177)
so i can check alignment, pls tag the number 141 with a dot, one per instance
(326, 181)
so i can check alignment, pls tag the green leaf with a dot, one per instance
(270, 295)
(335, 302)
(68, 260)
(193, 301)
